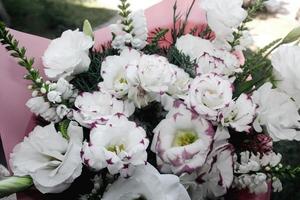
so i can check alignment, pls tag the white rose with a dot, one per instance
(286, 65)
(277, 113)
(147, 183)
(208, 94)
(119, 146)
(98, 107)
(180, 87)
(182, 141)
(239, 114)
(67, 55)
(223, 16)
(52, 161)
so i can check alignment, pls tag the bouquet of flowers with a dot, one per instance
(167, 114)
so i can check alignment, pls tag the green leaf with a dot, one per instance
(63, 128)
(14, 184)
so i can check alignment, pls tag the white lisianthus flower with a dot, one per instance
(147, 183)
(223, 16)
(119, 146)
(113, 72)
(208, 94)
(153, 75)
(286, 65)
(52, 161)
(209, 58)
(239, 114)
(277, 113)
(215, 177)
(98, 107)
(40, 107)
(182, 141)
(67, 55)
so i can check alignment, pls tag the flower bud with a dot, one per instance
(43, 90)
(292, 36)
(87, 28)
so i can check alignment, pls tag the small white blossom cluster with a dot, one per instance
(252, 171)
(50, 105)
(137, 38)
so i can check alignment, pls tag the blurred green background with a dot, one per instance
(49, 18)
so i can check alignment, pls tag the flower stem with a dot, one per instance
(14, 184)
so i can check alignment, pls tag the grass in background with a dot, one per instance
(49, 18)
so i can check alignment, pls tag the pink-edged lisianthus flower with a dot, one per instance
(98, 107)
(119, 146)
(182, 141)
(147, 183)
(208, 94)
(215, 177)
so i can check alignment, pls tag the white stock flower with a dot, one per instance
(113, 72)
(98, 107)
(223, 16)
(245, 41)
(255, 183)
(249, 163)
(277, 113)
(180, 87)
(119, 146)
(182, 141)
(147, 183)
(286, 65)
(52, 161)
(239, 114)
(276, 185)
(208, 94)
(140, 30)
(67, 55)
(209, 58)
(40, 107)
(271, 159)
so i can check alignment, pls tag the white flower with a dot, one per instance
(209, 58)
(62, 111)
(153, 75)
(180, 87)
(255, 183)
(208, 94)
(245, 41)
(65, 89)
(286, 65)
(140, 30)
(249, 163)
(147, 183)
(239, 114)
(113, 72)
(271, 159)
(98, 107)
(120, 145)
(214, 178)
(277, 113)
(39, 106)
(67, 55)
(272, 5)
(276, 185)
(52, 161)
(223, 16)
(182, 141)
(54, 96)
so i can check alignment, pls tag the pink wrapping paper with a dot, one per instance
(16, 121)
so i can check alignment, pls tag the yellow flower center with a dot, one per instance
(116, 148)
(184, 137)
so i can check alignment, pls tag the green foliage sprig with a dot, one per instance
(124, 13)
(12, 45)
(159, 35)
